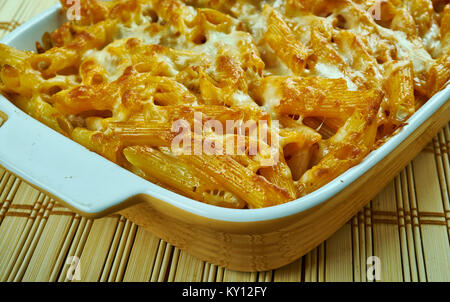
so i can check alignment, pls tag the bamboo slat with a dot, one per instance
(76, 246)
(431, 215)
(386, 234)
(407, 226)
(194, 271)
(19, 205)
(140, 263)
(98, 244)
(174, 265)
(49, 244)
(289, 273)
(230, 276)
(339, 256)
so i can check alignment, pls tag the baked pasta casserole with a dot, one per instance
(324, 82)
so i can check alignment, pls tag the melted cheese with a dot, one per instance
(139, 32)
(407, 50)
(241, 99)
(432, 40)
(110, 63)
(272, 98)
(333, 72)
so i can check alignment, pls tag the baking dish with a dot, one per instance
(247, 240)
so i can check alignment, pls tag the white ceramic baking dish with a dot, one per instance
(247, 240)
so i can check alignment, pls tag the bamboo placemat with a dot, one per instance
(407, 226)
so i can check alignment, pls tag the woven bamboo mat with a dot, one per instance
(407, 226)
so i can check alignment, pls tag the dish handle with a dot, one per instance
(81, 179)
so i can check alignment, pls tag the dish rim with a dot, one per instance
(192, 206)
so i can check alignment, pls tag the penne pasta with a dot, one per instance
(177, 174)
(309, 97)
(399, 88)
(99, 143)
(293, 53)
(342, 151)
(256, 190)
